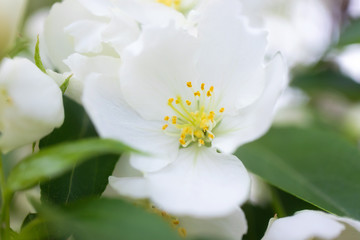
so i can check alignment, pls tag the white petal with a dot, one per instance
(59, 45)
(230, 227)
(201, 182)
(87, 35)
(130, 187)
(253, 121)
(98, 8)
(157, 68)
(304, 225)
(231, 53)
(113, 118)
(34, 107)
(121, 31)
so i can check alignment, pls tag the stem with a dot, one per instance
(5, 206)
(277, 203)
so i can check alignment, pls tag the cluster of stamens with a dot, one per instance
(194, 120)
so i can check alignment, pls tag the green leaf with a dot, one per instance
(56, 160)
(109, 219)
(37, 57)
(84, 180)
(350, 34)
(326, 77)
(315, 165)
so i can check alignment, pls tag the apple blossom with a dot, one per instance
(190, 101)
(309, 224)
(30, 104)
(301, 39)
(11, 13)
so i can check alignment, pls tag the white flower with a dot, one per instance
(348, 60)
(184, 98)
(309, 224)
(301, 39)
(30, 104)
(354, 8)
(11, 13)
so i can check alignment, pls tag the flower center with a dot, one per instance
(194, 119)
(171, 3)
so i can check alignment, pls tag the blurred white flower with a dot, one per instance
(301, 30)
(349, 61)
(183, 98)
(30, 104)
(309, 224)
(354, 8)
(11, 13)
(260, 192)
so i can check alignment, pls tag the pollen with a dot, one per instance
(194, 120)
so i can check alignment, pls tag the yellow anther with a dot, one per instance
(202, 86)
(208, 93)
(177, 101)
(182, 141)
(173, 120)
(199, 134)
(186, 130)
(175, 222)
(189, 84)
(164, 127)
(170, 100)
(211, 89)
(188, 102)
(201, 142)
(197, 93)
(166, 118)
(222, 110)
(182, 232)
(211, 136)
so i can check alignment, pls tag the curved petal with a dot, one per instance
(157, 68)
(87, 35)
(201, 183)
(32, 107)
(304, 225)
(230, 227)
(231, 53)
(132, 187)
(99, 8)
(58, 44)
(113, 118)
(253, 121)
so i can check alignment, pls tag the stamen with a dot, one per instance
(165, 126)
(222, 110)
(173, 120)
(197, 93)
(189, 84)
(211, 88)
(166, 118)
(177, 101)
(182, 141)
(208, 93)
(182, 232)
(201, 142)
(211, 136)
(170, 100)
(188, 102)
(203, 86)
